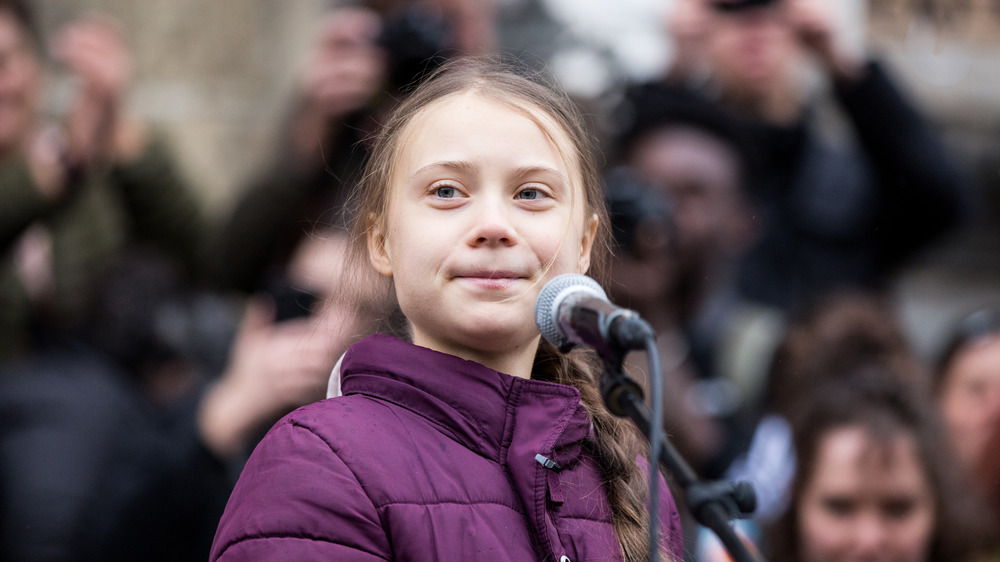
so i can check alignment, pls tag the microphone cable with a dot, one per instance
(655, 446)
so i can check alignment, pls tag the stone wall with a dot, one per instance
(975, 21)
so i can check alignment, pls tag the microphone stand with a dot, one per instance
(713, 504)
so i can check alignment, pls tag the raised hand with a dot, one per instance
(273, 368)
(94, 51)
(342, 73)
(813, 23)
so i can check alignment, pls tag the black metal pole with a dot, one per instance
(713, 505)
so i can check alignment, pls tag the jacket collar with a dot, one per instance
(471, 403)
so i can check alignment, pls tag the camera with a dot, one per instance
(641, 217)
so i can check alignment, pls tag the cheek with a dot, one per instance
(819, 533)
(561, 255)
(915, 536)
(551, 243)
(412, 257)
(822, 537)
(959, 408)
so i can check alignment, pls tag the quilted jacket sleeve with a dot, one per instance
(297, 500)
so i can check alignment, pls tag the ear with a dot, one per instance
(378, 254)
(587, 243)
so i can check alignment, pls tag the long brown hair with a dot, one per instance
(616, 446)
(886, 406)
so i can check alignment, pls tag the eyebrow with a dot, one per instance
(448, 164)
(466, 166)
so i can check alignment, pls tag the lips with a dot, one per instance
(493, 279)
(491, 274)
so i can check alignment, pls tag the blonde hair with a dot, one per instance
(616, 446)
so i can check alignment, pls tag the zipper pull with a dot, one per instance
(548, 463)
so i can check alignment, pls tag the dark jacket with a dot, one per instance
(846, 216)
(427, 457)
(283, 205)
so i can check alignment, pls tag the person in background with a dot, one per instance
(364, 58)
(874, 479)
(125, 445)
(987, 482)
(75, 193)
(842, 214)
(126, 401)
(967, 384)
(841, 334)
(693, 157)
(687, 23)
(642, 278)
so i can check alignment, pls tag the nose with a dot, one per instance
(870, 535)
(492, 224)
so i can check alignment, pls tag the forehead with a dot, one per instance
(851, 460)
(981, 357)
(471, 122)
(676, 153)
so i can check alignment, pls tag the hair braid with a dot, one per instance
(616, 446)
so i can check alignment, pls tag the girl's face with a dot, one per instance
(866, 501)
(483, 210)
(970, 397)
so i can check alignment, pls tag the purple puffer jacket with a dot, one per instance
(427, 457)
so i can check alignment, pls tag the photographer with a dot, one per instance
(835, 213)
(364, 57)
(76, 191)
(693, 156)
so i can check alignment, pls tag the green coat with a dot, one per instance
(144, 201)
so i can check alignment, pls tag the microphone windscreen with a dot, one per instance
(550, 299)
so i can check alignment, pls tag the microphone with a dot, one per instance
(573, 309)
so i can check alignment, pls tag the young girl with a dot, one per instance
(475, 441)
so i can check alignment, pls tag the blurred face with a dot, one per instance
(688, 27)
(483, 211)
(970, 397)
(20, 83)
(699, 175)
(751, 50)
(866, 501)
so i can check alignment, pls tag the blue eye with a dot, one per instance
(446, 192)
(529, 194)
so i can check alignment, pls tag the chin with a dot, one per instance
(498, 338)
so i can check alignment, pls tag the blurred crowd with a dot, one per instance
(146, 344)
